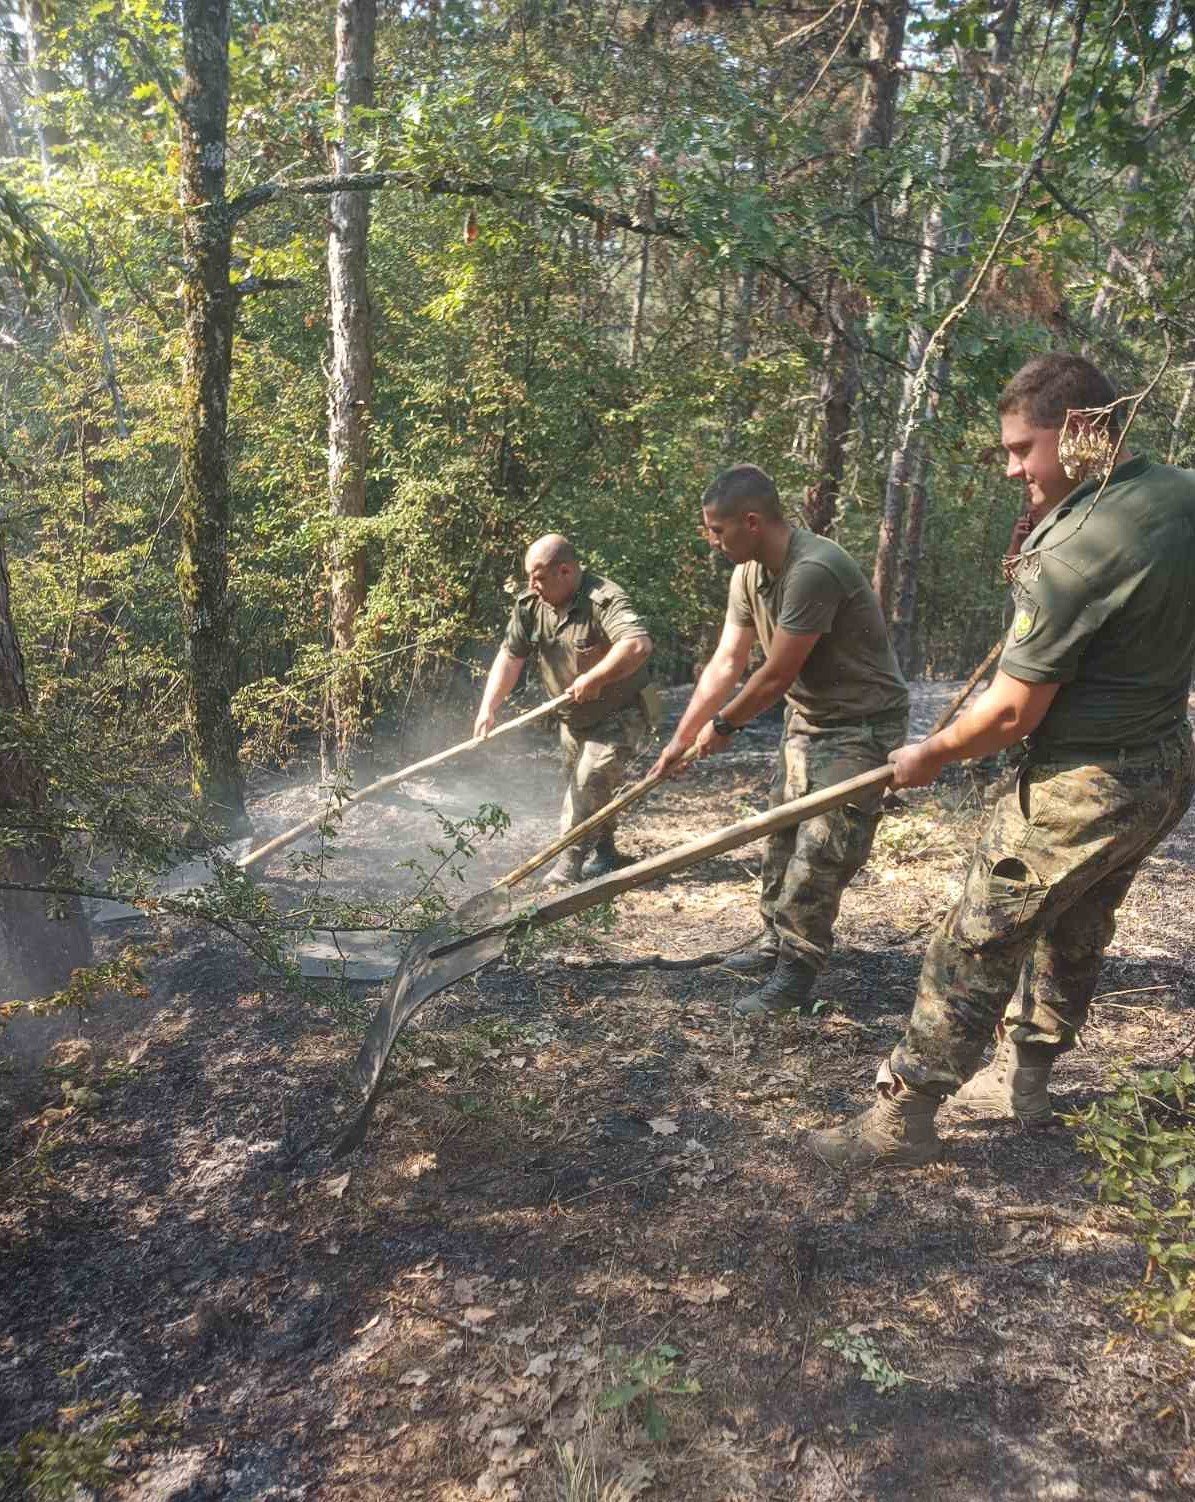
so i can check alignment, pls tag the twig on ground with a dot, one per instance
(838, 1476)
(1134, 991)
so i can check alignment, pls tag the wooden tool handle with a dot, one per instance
(587, 826)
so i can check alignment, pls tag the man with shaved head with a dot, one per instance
(591, 645)
(806, 603)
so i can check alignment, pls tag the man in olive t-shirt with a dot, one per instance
(1095, 677)
(827, 653)
(591, 644)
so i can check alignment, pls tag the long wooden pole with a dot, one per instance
(289, 836)
(645, 785)
(590, 893)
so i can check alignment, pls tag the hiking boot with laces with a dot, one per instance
(758, 958)
(567, 870)
(785, 990)
(1010, 1085)
(606, 858)
(897, 1132)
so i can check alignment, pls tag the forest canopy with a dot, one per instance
(461, 274)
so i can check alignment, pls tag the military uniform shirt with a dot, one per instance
(1105, 606)
(852, 675)
(573, 640)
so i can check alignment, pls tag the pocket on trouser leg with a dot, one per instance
(1001, 899)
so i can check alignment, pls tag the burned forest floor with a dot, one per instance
(583, 1254)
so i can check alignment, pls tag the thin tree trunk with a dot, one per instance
(49, 136)
(642, 281)
(1129, 194)
(873, 132)
(207, 372)
(1178, 432)
(350, 381)
(908, 577)
(39, 945)
(900, 461)
(836, 399)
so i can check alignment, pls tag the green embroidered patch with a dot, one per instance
(1023, 623)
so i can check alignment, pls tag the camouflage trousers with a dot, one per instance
(1058, 855)
(807, 869)
(596, 761)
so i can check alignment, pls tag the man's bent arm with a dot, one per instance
(770, 682)
(623, 658)
(1008, 711)
(722, 672)
(504, 674)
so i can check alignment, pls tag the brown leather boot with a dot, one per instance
(897, 1132)
(1010, 1086)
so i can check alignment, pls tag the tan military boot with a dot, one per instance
(897, 1132)
(1009, 1086)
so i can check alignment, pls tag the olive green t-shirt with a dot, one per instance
(852, 673)
(1105, 606)
(574, 639)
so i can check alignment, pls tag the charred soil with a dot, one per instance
(583, 1254)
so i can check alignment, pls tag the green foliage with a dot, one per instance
(50, 1465)
(1143, 1136)
(861, 1351)
(642, 1382)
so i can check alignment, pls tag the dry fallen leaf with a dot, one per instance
(365, 1328)
(476, 1315)
(541, 1365)
(416, 1377)
(335, 1188)
(663, 1126)
(519, 1335)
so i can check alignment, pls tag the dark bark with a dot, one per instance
(40, 943)
(350, 379)
(208, 307)
(873, 132)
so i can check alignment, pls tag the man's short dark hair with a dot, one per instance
(743, 488)
(1049, 386)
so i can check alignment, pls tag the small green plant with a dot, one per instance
(642, 1381)
(1143, 1136)
(867, 1356)
(49, 1465)
(528, 942)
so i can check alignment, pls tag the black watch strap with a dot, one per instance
(724, 727)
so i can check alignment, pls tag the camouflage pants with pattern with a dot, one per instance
(1058, 855)
(807, 869)
(596, 761)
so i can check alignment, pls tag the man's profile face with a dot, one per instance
(735, 537)
(554, 583)
(1033, 459)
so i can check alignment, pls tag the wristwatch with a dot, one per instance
(724, 727)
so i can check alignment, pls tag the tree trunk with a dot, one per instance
(873, 132)
(639, 308)
(836, 399)
(900, 462)
(207, 373)
(42, 81)
(1129, 195)
(41, 941)
(350, 380)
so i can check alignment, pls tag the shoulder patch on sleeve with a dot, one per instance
(1024, 620)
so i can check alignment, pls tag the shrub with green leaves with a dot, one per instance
(1143, 1136)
